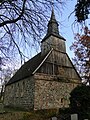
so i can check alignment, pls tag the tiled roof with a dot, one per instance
(27, 69)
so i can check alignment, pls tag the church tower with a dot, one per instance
(53, 39)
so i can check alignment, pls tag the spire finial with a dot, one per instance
(52, 2)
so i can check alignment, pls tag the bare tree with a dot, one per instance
(22, 23)
(5, 76)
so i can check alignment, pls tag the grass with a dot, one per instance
(12, 114)
(17, 114)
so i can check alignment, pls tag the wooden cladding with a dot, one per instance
(55, 69)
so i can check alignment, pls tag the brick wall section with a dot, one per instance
(20, 94)
(50, 93)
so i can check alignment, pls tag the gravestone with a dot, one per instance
(74, 117)
(54, 118)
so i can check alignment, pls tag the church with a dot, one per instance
(47, 79)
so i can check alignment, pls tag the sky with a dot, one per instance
(65, 24)
(66, 28)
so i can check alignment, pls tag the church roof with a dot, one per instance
(53, 28)
(27, 69)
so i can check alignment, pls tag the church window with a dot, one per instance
(62, 100)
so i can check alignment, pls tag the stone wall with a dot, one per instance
(41, 91)
(50, 93)
(20, 94)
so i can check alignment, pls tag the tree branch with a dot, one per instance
(14, 20)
